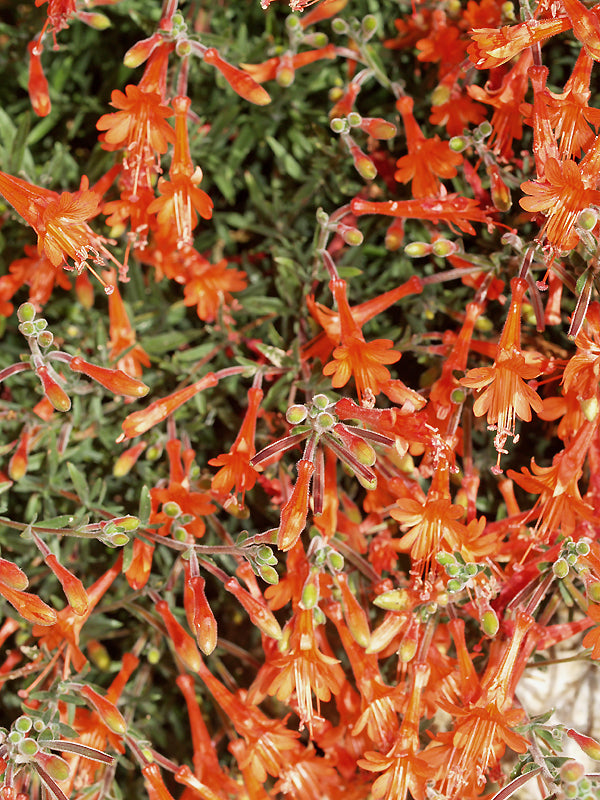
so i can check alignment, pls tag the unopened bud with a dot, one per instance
(369, 25)
(489, 622)
(172, 509)
(589, 746)
(458, 143)
(363, 452)
(593, 591)
(338, 125)
(443, 248)
(560, 568)
(378, 128)
(45, 338)
(26, 312)
(310, 595)
(97, 21)
(320, 401)
(295, 415)
(417, 249)
(351, 235)
(587, 219)
(325, 420)
(590, 408)
(55, 766)
(394, 600)
(440, 95)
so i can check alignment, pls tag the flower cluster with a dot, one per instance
(257, 539)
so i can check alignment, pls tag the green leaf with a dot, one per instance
(79, 482)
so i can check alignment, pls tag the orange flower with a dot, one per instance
(355, 357)
(139, 127)
(586, 26)
(559, 504)
(179, 491)
(209, 286)
(507, 119)
(504, 395)
(303, 669)
(60, 221)
(592, 638)
(122, 335)
(561, 196)
(236, 469)
(295, 511)
(427, 159)
(181, 199)
(492, 47)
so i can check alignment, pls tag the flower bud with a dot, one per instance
(296, 414)
(203, 621)
(72, 586)
(108, 712)
(560, 568)
(394, 235)
(587, 219)
(443, 248)
(55, 766)
(393, 600)
(338, 125)
(458, 143)
(285, 72)
(13, 576)
(182, 642)
(489, 622)
(417, 249)
(362, 163)
(115, 380)
(54, 392)
(320, 401)
(45, 338)
(378, 128)
(26, 312)
(589, 746)
(241, 82)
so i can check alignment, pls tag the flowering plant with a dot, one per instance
(299, 399)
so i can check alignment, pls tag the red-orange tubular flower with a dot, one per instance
(364, 361)
(236, 471)
(492, 47)
(504, 395)
(115, 380)
(241, 82)
(181, 199)
(60, 221)
(129, 355)
(428, 160)
(561, 196)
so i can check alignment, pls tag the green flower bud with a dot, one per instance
(45, 338)
(489, 622)
(458, 143)
(23, 724)
(560, 568)
(27, 328)
(338, 125)
(339, 25)
(171, 509)
(454, 586)
(587, 219)
(26, 312)
(28, 747)
(320, 401)
(417, 249)
(325, 420)
(354, 119)
(268, 574)
(335, 560)
(394, 600)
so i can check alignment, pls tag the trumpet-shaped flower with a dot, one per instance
(355, 357)
(561, 195)
(503, 394)
(428, 160)
(60, 221)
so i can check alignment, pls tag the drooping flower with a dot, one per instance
(129, 356)
(181, 199)
(236, 470)
(492, 47)
(364, 361)
(507, 119)
(559, 504)
(504, 395)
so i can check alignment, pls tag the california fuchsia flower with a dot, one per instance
(60, 221)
